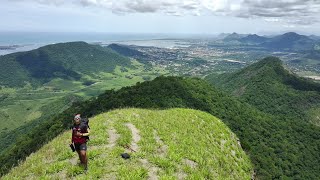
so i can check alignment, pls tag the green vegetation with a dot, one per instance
(174, 144)
(272, 89)
(277, 148)
(23, 101)
(22, 109)
(68, 61)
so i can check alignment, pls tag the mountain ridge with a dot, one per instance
(253, 39)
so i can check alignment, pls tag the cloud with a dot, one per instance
(97, 3)
(299, 12)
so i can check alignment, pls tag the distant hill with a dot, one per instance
(278, 147)
(290, 41)
(62, 60)
(222, 35)
(314, 37)
(253, 39)
(174, 143)
(233, 37)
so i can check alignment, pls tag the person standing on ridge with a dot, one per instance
(80, 134)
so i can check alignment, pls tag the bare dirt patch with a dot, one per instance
(74, 160)
(190, 163)
(135, 137)
(162, 150)
(113, 137)
(152, 170)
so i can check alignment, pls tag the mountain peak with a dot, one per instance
(271, 60)
(253, 38)
(291, 34)
(233, 36)
(290, 41)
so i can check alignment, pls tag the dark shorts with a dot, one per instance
(81, 146)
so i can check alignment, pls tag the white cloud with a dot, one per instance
(299, 12)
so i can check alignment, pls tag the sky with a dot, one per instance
(161, 16)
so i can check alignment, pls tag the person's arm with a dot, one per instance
(87, 133)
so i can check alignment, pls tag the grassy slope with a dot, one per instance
(21, 107)
(169, 139)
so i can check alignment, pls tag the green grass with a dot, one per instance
(23, 105)
(21, 112)
(175, 143)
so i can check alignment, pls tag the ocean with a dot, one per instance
(11, 42)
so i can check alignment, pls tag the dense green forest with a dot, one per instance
(278, 147)
(271, 88)
(63, 60)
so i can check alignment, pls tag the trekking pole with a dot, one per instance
(128, 147)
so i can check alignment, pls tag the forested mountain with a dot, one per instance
(253, 39)
(278, 148)
(290, 41)
(271, 88)
(62, 60)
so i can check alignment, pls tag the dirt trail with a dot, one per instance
(162, 150)
(113, 137)
(135, 137)
(152, 170)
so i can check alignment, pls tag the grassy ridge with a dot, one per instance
(197, 145)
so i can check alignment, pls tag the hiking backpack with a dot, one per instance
(84, 122)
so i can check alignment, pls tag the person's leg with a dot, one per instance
(79, 154)
(77, 147)
(83, 155)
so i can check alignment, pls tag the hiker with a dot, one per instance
(80, 134)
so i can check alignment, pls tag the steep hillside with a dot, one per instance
(62, 60)
(127, 51)
(271, 88)
(12, 129)
(168, 144)
(278, 148)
